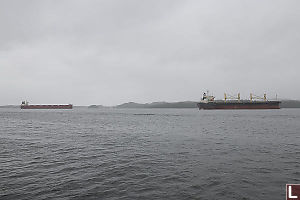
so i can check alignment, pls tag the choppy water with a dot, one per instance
(148, 153)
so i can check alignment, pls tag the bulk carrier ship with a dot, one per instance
(25, 105)
(229, 102)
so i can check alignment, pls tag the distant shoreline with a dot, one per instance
(193, 104)
(181, 104)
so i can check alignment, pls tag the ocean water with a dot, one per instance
(148, 153)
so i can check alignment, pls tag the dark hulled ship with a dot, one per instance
(255, 102)
(25, 105)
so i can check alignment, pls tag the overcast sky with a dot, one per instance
(110, 52)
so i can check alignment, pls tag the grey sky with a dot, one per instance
(110, 52)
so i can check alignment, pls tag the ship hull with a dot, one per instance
(46, 106)
(239, 105)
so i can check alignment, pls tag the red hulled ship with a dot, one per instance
(25, 105)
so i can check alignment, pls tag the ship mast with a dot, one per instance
(232, 97)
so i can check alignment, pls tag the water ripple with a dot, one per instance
(148, 154)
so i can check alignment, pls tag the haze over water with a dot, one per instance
(148, 153)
